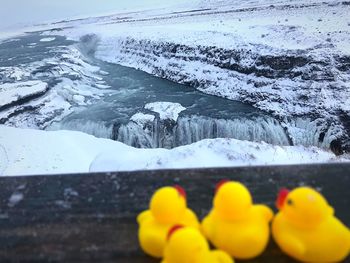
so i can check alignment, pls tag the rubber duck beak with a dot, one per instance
(181, 191)
(221, 183)
(173, 230)
(282, 195)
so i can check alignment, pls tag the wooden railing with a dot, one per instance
(91, 217)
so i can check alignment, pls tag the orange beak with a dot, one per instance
(282, 195)
(221, 183)
(181, 191)
(173, 230)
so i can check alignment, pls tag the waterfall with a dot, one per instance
(134, 135)
(187, 130)
(197, 128)
(304, 131)
(97, 128)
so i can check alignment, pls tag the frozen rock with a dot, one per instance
(11, 93)
(142, 119)
(166, 110)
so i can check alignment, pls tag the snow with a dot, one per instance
(30, 152)
(166, 110)
(13, 92)
(7, 36)
(142, 119)
(79, 99)
(47, 39)
(227, 26)
(13, 73)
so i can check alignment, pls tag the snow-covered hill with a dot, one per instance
(28, 152)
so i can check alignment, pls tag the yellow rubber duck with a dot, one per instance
(234, 224)
(306, 229)
(188, 245)
(168, 207)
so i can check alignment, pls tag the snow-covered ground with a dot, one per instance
(28, 152)
(291, 59)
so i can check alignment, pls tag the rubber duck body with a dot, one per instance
(168, 207)
(188, 245)
(306, 229)
(234, 224)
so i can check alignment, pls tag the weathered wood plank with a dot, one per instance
(91, 217)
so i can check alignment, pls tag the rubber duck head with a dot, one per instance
(232, 200)
(304, 206)
(168, 204)
(185, 244)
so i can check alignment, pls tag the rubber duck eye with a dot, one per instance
(289, 202)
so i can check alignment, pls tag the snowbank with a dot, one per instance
(26, 152)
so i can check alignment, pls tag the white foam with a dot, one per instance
(47, 39)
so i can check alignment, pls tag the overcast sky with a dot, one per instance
(13, 12)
